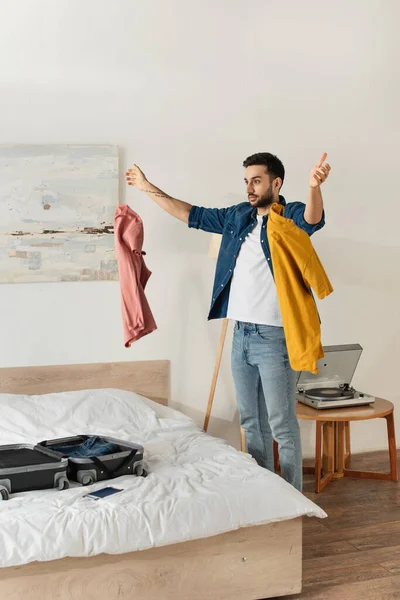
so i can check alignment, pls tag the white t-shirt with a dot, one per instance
(253, 297)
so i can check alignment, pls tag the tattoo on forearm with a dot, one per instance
(158, 194)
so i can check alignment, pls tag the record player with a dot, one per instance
(332, 388)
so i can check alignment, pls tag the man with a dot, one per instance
(245, 291)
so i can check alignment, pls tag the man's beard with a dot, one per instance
(266, 199)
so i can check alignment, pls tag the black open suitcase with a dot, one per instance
(126, 459)
(24, 467)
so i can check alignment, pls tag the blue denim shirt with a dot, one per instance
(234, 223)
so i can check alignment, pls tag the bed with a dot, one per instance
(245, 552)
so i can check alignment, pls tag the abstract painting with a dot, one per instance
(57, 205)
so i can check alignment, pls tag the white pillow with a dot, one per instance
(31, 419)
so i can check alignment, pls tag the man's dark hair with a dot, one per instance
(274, 166)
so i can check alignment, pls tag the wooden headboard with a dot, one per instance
(148, 378)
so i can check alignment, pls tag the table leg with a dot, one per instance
(394, 471)
(328, 453)
(309, 469)
(339, 449)
(318, 466)
(393, 475)
(347, 454)
(324, 436)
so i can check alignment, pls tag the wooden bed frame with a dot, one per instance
(247, 564)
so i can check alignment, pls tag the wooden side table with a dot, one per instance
(332, 441)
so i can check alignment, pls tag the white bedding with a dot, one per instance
(198, 485)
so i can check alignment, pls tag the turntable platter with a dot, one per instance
(332, 393)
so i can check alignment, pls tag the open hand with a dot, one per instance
(320, 172)
(137, 178)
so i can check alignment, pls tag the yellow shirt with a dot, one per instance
(297, 269)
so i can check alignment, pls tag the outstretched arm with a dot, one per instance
(177, 208)
(315, 205)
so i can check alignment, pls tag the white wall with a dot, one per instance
(188, 90)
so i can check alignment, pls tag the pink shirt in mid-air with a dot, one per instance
(137, 318)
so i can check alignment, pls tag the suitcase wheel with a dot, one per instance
(87, 479)
(4, 495)
(63, 483)
(140, 471)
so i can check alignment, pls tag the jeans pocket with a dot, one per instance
(269, 333)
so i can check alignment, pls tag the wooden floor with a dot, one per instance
(354, 554)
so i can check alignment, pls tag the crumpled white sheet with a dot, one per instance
(198, 486)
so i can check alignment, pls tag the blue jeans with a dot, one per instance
(265, 387)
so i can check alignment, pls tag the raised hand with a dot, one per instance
(137, 178)
(320, 172)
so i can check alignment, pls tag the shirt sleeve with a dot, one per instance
(314, 276)
(207, 219)
(295, 211)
